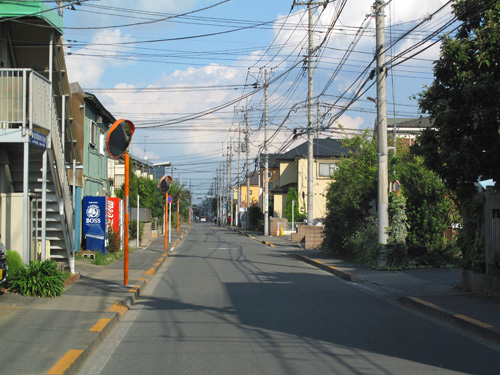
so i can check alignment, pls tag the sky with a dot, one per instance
(186, 73)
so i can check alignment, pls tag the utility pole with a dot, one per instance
(383, 196)
(238, 174)
(266, 162)
(223, 183)
(310, 128)
(231, 193)
(310, 132)
(217, 194)
(247, 149)
(228, 198)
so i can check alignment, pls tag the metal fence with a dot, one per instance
(24, 99)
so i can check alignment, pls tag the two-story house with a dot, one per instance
(293, 173)
(92, 121)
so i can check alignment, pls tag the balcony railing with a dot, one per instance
(24, 99)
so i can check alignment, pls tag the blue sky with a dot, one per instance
(153, 63)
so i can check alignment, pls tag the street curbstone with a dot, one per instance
(74, 359)
(470, 325)
(342, 274)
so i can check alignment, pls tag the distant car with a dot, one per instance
(203, 219)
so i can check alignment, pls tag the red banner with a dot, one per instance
(114, 214)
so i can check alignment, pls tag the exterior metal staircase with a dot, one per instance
(51, 212)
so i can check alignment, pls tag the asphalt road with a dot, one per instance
(225, 304)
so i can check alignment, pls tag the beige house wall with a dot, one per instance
(12, 221)
(288, 173)
(254, 195)
(320, 184)
(279, 205)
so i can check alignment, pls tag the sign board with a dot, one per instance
(169, 198)
(113, 214)
(94, 223)
(38, 139)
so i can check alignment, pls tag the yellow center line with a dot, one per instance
(156, 264)
(65, 362)
(99, 326)
(150, 272)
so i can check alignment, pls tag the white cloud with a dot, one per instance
(87, 65)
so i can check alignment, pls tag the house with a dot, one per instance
(272, 179)
(408, 129)
(37, 135)
(242, 190)
(92, 120)
(293, 173)
(141, 168)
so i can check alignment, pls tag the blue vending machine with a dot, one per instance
(94, 223)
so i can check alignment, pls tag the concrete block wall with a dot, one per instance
(300, 234)
(273, 224)
(313, 237)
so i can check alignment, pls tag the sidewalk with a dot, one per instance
(432, 291)
(36, 333)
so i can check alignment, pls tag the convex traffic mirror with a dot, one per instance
(119, 137)
(164, 184)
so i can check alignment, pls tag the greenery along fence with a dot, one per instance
(418, 219)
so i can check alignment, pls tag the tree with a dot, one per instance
(292, 196)
(417, 218)
(463, 100)
(351, 193)
(463, 104)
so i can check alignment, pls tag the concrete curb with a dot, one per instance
(465, 323)
(333, 270)
(74, 360)
(470, 325)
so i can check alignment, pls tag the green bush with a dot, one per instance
(14, 262)
(418, 218)
(132, 232)
(39, 279)
(255, 214)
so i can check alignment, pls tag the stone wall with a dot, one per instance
(146, 235)
(313, 237)
(300, 234)
(480, 283)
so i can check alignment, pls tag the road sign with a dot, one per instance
(169, 198)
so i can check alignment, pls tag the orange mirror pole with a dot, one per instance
(125, 198)
(166, 222)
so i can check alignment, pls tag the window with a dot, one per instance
(327, 169)
(102, 142)
(94, 133)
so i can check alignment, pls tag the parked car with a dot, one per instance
(3, 264)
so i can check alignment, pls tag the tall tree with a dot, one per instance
(463, 100)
